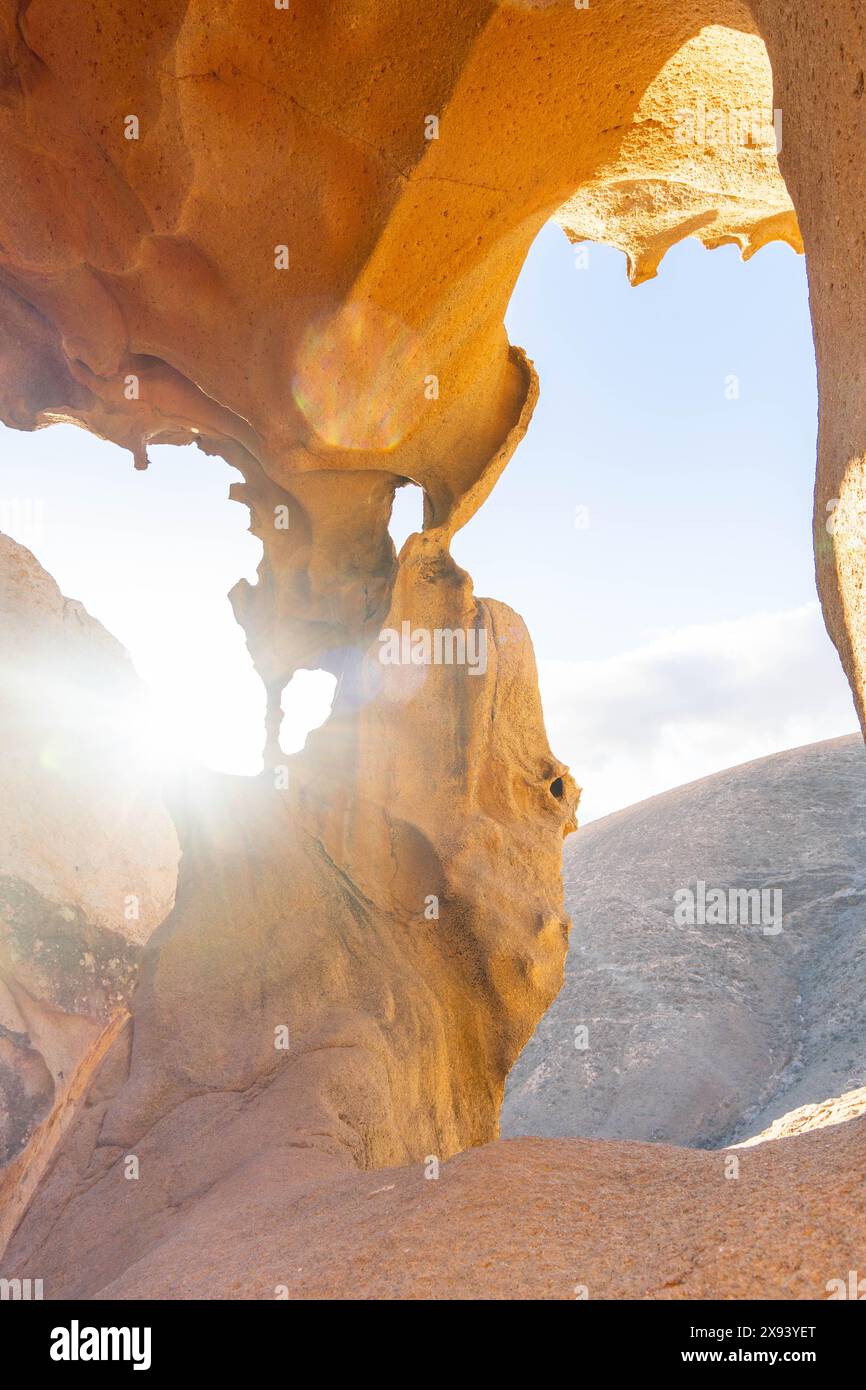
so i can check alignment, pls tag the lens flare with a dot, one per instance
(358, 378)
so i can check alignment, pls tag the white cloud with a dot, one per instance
(694, 701)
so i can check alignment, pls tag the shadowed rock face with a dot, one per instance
(228, 225)
(705, 1032)
(401, 1029)
(88, 857)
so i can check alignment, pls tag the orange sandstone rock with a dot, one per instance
(291, 236)
(88, 860)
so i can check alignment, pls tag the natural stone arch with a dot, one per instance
(273, 267)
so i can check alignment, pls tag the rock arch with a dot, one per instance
(273, 262)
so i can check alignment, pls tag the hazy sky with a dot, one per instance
(653, 529)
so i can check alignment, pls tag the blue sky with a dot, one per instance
(676, 624)
(679, 632)
(699, 506)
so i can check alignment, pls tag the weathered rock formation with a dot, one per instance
(290, 236)
(703, 1032)
(819, 76)
(348, 275)
(835, 1110)
(526, 1218)
(88, 859)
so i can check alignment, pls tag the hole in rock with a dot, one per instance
(557, 787)
(654, 529)
(151, 555)
(306, 703)
(654, 526)
(407, 514)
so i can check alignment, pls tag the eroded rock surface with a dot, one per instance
(704, 1033)
(88, 854)
(291, 236)
(819, 71)
(521, 1218)
(345, 200)
(836, 1110)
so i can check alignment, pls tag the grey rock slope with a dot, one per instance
(705, 1034)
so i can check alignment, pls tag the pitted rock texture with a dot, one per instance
(88, 854)
(551, 1219)
(228, 225)
(818, 56)
(705, 1034)
(298, 997)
